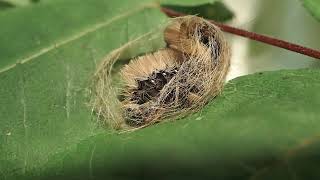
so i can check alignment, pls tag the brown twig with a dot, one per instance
(257, 37)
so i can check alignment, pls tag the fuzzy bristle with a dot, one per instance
(204, 57)
(143, 66)
(177, 80)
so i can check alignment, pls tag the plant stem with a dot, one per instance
(255, 36)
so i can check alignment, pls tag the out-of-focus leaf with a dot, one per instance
(186, 2)
(17, 2)
(215, 11)
(5, 5)
(313, 6)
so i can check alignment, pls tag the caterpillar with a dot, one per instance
(178, 79)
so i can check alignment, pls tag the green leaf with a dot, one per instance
(313, 6)
(263, 126)
(186, 2)
(215, 11)
(18, 2)
(5, 5)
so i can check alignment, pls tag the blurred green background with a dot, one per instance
(285, 19)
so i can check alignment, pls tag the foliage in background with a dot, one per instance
(288, 14)
(5, 5)
(18, 2)
(215, 11)
(313, 6)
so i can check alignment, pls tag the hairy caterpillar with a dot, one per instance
(176, 80)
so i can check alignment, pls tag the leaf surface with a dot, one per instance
(263, 126)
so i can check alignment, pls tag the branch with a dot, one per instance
(257, 37)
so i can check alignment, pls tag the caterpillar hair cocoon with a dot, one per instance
(173, 81)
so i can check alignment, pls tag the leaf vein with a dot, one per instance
(24, 119)
(68, 92)
(91, 160)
